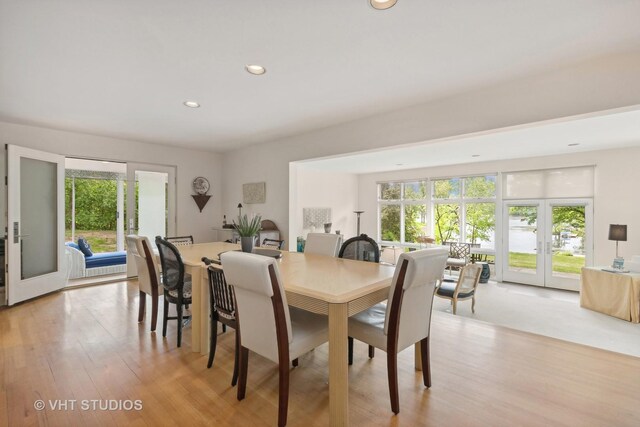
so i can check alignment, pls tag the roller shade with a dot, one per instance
(549, 183)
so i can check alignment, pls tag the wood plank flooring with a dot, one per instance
(86, 344)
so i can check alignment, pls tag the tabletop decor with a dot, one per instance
(618, 233)
(248, 230)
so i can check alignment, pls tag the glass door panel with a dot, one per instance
(150, 203)
(35, 209)
(568, 242)
(523, 228)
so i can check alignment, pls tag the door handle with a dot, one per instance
(16, 230)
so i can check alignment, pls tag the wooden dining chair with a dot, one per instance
(148, 275)
(464, 289)
(180, 240)
(222, 306)
(272, 243)
(265, 321)
(177, 284)
(406, 318)
(322, 244)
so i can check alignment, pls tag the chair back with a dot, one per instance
(272, 243)
(262, 312)
(468, 279)
(148, 274)
(408, 315)
(221, 294)
(172, 265)
(322, 244)
(180, 240)
(362, 248)
(460, 250)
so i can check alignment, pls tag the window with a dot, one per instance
(464, 210)
(402, 211)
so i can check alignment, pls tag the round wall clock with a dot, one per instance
(200, 185)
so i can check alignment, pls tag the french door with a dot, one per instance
(150, 203)
(35, 223)
(547, 242)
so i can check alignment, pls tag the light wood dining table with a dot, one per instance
(335, 287)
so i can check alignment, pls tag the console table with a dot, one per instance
(615, 294)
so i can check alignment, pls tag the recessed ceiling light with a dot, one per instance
(382, 4)
(255, 69)
(475, 155)
(191, 104)
(399, 164)
(573, 144)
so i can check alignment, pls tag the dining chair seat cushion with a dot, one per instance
(309, 331)
(186, 290)
(447, 289)
(368, 326)
(456, 262)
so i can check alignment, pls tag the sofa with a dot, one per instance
(81, 262)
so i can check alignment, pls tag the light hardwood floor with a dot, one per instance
(86, 344)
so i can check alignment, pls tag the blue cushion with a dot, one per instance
(84, 247)
(106, 259)
(72, 245)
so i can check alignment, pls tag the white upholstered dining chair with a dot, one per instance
(406, 318)
(323, 244)
(266, 324)
(148, 275)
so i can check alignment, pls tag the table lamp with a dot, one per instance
(240, 210)
(618, 233)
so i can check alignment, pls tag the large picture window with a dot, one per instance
(402, 211)
(464, 210)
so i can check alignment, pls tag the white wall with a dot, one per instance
(596, 85)
(189, 165)
(616, 198)
(321, 189)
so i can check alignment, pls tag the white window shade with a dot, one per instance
(549, 184)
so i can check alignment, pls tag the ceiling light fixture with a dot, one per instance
(382, 4)
(573, 144)
(475, 155)
(191, 104)
(256, 70)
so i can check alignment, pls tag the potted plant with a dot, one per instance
(247, 229)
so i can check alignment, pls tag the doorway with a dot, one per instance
(547, 241)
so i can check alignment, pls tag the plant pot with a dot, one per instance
(247, 244)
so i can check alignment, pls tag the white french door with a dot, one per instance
(546, 242)
(150, 203)
(35, 219)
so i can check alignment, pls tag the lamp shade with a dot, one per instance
(618, 232)
(240, 207)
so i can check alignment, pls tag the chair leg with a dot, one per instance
(141, 304)
(473, 304)
(236, 361)
(372, 351)
(454, 303)
(294, 362)
(213, 341)
(179, 309)
(426, 365)
(392, 374)
(154, 313)
(165, 315)
(350, 344)
(283, 392)
(242, 374)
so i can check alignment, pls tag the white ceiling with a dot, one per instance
(607, 131)
(123, 68)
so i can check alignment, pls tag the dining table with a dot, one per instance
(335, 287)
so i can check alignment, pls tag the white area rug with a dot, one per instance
(548, 312)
